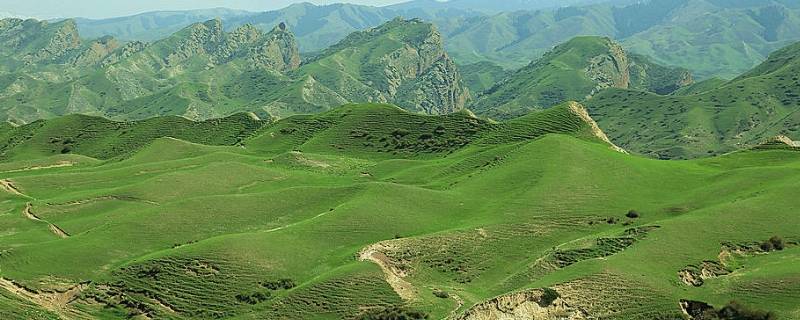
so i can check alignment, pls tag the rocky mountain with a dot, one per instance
(203, 71)
(577, 70)
(402, 61)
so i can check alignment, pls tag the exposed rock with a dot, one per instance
(202, 39)
(611, 69)
(779, 142)
(418, 75)
(580, 111)
(277, 51)
(126, 51)
(530, 304)
(64, 39)
(695, 309)
(696, 275)
(97, 52)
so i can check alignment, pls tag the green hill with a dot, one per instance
(444, 216)
(576, 70)
(105, 139)
(740, 113)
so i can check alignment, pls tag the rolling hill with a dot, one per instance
(442, 216)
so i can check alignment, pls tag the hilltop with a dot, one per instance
(577, 70)
(445, 216)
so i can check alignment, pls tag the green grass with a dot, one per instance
(183, 230)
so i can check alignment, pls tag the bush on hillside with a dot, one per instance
(392, 313)
(777, 242)
(441, 294)
(254, 297)
(279, 284)
(736, 311)
(549, 296)
(633, 214)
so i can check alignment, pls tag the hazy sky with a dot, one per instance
(116, 8)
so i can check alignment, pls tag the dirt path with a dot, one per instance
(9, 187)
(56, 301)
(28, 213)
(60, 164)
(394, 276)
(103, 198)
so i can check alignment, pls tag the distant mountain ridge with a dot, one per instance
(681, 33)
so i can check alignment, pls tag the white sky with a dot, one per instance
(114, 8)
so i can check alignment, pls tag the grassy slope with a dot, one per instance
(745, 111)
(190, 226)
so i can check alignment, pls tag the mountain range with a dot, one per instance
(202, 71)
(682, 33)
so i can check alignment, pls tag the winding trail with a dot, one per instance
(28, 213)
(9, 187)
(60, 164)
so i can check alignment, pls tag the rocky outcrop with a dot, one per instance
(610, 69)
(580, 111)
(97, 51)
(32, 41)
(202, 39)
(439, 90)
(411, 68)
(129, 49)
(64, 39)
(779, 142)
(276, 51)
(544, 304)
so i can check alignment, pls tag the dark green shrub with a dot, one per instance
(736, 311)
(392, 313)
(633, 214)
(399, 133)
(285, 284)
(253, 298)
(548, 297)
(767, 246)
(441, 294)
(777, 242)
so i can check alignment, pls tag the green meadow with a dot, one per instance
(365, 208)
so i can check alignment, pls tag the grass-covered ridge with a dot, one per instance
(430, 221)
